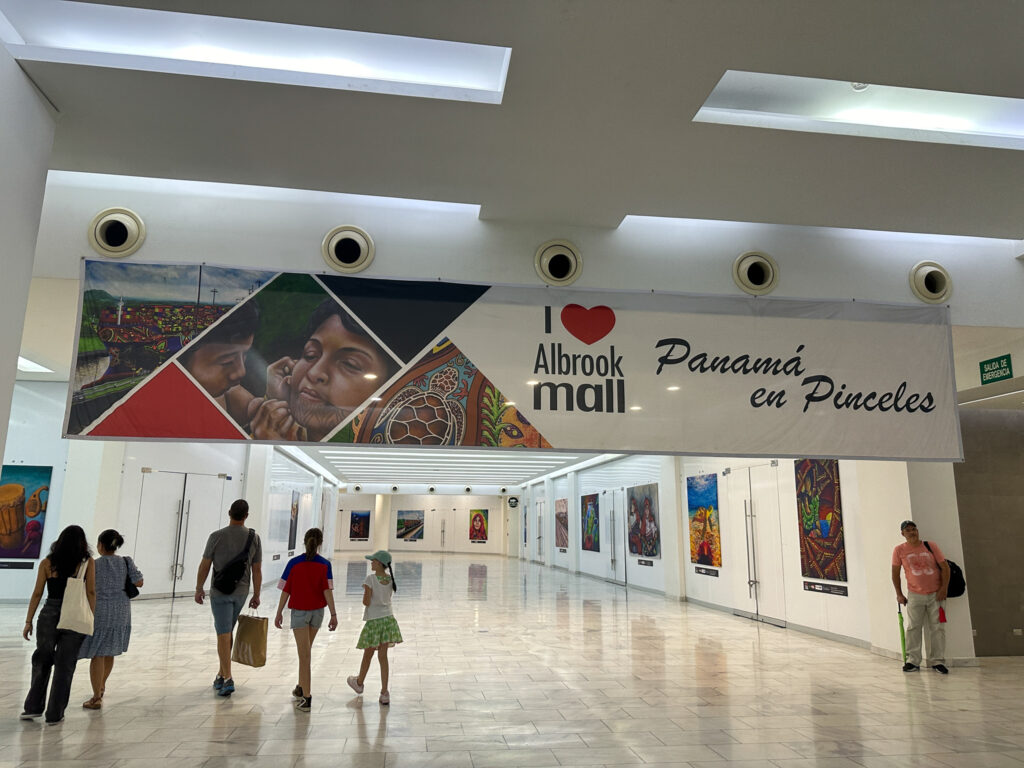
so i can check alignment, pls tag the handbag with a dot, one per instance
(75, 611)
(250, 645)
(226, 579)
(129, 587)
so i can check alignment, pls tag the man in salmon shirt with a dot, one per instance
(927, 579)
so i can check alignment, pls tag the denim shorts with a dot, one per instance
(312, 619)
(225, 612)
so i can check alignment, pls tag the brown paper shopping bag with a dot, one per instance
(250, 646)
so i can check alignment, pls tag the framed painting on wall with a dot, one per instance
(561, 523)
(590, 518)
(702, 509)
(24, 496)
(820, 512)
(644, 522)
(410, 525)
(478, 525)
(293, 522)
(359, 525)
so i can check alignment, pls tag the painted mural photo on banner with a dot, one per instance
(198, 352)
(24, 496)
(643, 521)
(820, 509)
(590, 519)
(702, 509)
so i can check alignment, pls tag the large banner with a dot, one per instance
(210, 353)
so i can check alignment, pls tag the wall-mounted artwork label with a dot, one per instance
(562, 550)
(828, 589)
(820, 509)
(706, 571)
(996, 369)
(649, 563)
(590, 522)
(359, 525)
(643, 520)
(702, 509)
(197, 352)
(478, 525)
(24, 496)
(277, 556)
(409, 525)
(562, 524)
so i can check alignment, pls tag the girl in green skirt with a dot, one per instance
(381, 630)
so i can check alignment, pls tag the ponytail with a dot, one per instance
(313, 539)
(391, 573)
(111, 540)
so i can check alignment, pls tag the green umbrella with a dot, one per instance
(903, 635)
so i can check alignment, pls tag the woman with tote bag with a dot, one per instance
(68, 571)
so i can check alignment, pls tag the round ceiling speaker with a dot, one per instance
(755, 273)
(558, 262)
(931, 282)
(116, 232)
(347, 249)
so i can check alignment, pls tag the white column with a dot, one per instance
(26, 137)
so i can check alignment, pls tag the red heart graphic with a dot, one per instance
(588, 325)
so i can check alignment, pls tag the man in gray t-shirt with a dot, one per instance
(223, 546)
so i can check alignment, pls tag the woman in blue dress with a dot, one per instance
(112, 627)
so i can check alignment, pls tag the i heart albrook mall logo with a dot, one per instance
(608, 394)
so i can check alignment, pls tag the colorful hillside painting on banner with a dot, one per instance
(705, 532)
(478, 525)
(24, 496)
(820, 509)
(443, 400)
(562, 523)
(643, 521)
(590, 522)
(409, 525)
(359, 525)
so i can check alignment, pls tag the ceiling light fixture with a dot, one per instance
(91, 34)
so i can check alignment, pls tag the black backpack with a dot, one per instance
(957, 584)
(226, 579)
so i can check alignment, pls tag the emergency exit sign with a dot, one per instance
(996, 369)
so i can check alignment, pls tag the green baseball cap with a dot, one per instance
(382, 556)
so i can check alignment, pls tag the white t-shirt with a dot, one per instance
(380, 598)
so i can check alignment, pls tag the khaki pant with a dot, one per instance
(923, 612)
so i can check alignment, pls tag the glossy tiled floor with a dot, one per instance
(508, 664)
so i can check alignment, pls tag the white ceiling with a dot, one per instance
(596, 120)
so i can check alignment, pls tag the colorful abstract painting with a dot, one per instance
(644, 521)
(478, 525)
(702, 508)
(24, 496)
(590, 522)
(562, 523)
(820, 509)
(293, 522)
(410, 525)
(359, 525)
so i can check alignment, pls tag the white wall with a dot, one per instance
(455, 511)
(33, 437)
(26, 136)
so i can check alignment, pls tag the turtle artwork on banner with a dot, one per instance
(820, 513)
(199, 352)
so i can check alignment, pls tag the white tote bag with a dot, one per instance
(75, 611)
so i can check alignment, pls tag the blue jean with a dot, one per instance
(57, 650)
(225, 612)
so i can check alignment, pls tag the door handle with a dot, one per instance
(184, 542)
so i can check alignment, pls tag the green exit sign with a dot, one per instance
(996, 369)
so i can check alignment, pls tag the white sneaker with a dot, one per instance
(353, 683)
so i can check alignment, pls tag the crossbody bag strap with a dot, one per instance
(932, 554)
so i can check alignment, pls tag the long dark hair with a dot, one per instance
(68, 551)
(391, 573)
(313, 539)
